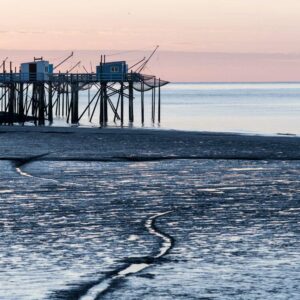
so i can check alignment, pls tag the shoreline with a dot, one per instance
(126, 130)
(89, 191)
(135, 144)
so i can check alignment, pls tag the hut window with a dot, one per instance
(114, 69)
(46, 69)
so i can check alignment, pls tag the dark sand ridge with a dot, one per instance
(25, 144)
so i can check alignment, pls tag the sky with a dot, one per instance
(200, 40)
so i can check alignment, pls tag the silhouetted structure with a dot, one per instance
(36, 93)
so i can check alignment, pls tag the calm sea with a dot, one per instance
(267, 108)
(236, 107)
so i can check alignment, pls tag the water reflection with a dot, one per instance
(235, 226)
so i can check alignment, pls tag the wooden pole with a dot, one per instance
(6, 91)
(34, 102)
(2, 99)
(63, 101)
(142, 103)
(58, 101)
(11, 101)
(89, 101)
(105, 103)
(21, 102)
(152, 105)
(159, 101)
(154, 101)
(74, 103)
(50, 104)
(102, 104)
(41, 104)
(77, 102)
(131, 116)
(122, 103)
(66, 93)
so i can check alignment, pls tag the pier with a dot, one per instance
(38, 94)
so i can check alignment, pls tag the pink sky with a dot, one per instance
(200, 40)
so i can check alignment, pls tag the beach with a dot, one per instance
(107, 213)
(121, 144)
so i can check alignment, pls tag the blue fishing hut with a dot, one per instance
(112, 71)
(37, 70)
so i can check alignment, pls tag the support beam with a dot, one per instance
(154, 102)
(63, 102)
(21, 103)
(105, 103)
(74, 102)
(37, 101)
(122, 103)
(89, 101)
(101, 116)
(142, 103)
(131, 116)
(159, 101)
(11, 102)
(50, 104)
(41, 104)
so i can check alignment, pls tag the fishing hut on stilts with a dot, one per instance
(38, 93)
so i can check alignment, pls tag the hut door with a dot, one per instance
(32, 71)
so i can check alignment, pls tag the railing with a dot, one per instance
(10, 77)
(23, 77)
(69, 78)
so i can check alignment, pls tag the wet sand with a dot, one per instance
(148, 214)
(46, 143)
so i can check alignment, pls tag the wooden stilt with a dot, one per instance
(89, 101)
(131, 116)
(122, 103)
(105, 100)
(24, 98)
(152, 105)
(63, 102)
(21, 102)
(159, 101)
(41, 104)
(74, 103)
(11, 102)
(154, 101)
(142, 103)
(50, 104)
(102, 113)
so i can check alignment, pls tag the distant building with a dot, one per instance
(112, 71)
(36, 70)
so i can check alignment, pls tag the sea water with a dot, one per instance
(266, 108)
(233, 107)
